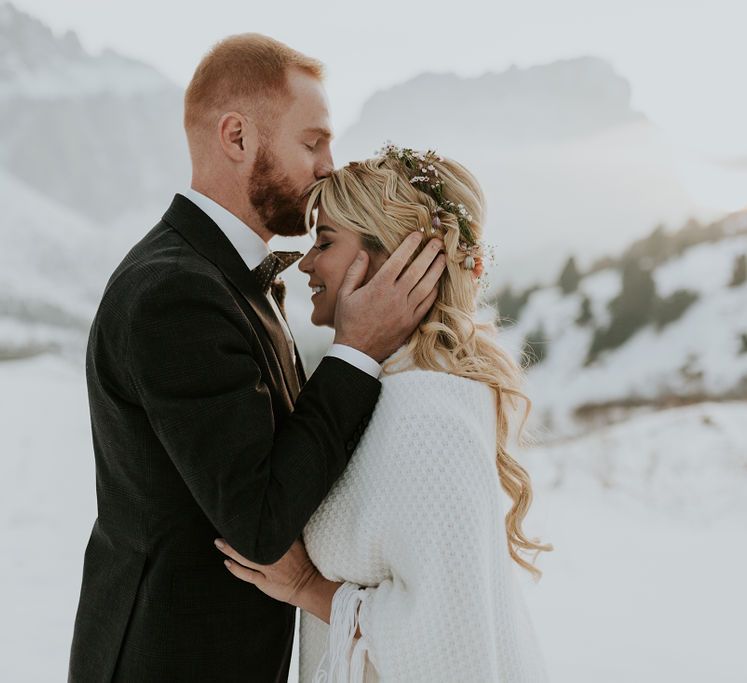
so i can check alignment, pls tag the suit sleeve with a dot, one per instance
(190, 361)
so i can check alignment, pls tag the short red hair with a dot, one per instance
(249, 69)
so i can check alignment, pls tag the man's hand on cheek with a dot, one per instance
(380, 316)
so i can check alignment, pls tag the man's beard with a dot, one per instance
(278, 203)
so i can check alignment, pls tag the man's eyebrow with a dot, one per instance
(323, 132)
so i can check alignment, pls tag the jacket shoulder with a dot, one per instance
(162, 258)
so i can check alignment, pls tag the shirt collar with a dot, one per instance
(250, 246)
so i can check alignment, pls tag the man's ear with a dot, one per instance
(238, 136)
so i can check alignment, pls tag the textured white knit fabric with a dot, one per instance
(416, 520)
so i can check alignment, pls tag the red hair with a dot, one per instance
(247, 69)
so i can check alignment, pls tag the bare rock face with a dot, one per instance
(567, 165)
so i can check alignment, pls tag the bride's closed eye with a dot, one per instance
(321, 246)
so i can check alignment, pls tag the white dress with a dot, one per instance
(415, 527)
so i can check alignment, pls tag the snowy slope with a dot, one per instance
(688, 463)
(652, 363)
(54, 264)
(644, 584)
(52, 270)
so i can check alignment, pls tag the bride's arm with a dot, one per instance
(293, 579)
(434, 619)
(317, 597)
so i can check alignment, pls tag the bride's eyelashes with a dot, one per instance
(322, 246)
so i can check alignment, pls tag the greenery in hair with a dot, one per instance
(423, 174)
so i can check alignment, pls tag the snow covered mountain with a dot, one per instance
(77, 198)
(700, 355)
(112, 136)
(565, 162)
(35, 63)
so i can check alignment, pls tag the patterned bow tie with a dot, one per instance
(272, 265)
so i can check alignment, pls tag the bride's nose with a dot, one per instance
(306, 264)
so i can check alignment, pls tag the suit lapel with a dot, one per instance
(209, 240)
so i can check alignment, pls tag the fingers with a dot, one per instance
(425, 305)
(398, 259)
(238, 565)
(226, 549)
(418, 268)
(355, 275)
(243, 573)
(430, 280)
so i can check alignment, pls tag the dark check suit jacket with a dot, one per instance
(200, 429)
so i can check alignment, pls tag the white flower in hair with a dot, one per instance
(423, 174)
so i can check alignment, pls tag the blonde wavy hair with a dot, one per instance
(375, 199)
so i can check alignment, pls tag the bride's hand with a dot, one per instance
(284, 580)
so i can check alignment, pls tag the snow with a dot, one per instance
(653, 363)
(53, 267)
(646, 579)
(47, 501)
(647, 514)
(633, 596)
(645, 582)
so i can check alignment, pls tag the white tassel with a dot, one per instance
(358, 660)
(339, 664)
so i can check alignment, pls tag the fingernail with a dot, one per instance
(360, 256)
(219, 543)
(227, 563)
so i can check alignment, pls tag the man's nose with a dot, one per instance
(325, 167)
(323, 170)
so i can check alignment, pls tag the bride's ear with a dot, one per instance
(238, 136)
(376, 260)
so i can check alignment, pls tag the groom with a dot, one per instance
(203, 422)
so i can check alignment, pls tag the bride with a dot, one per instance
(404, 572)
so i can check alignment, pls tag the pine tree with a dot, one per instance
(671, 308)
(569, 277)
(585, 315)
(631, 309)
(739, 272)
(743, 343)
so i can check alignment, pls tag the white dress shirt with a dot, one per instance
(253, 250)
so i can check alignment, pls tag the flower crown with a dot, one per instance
(423, 174)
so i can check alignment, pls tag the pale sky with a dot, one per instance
(686, 61)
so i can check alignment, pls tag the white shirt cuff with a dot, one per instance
(356, 358)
